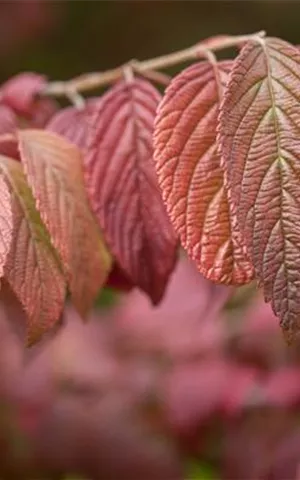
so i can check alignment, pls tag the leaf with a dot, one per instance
(259, 135)
(32, 267)
(53, 168)
(74, 124)
(118, 280)
(42, 111)
(20, 91)
(190, 176)
(6, 224)
(123, 189)
(8, 120)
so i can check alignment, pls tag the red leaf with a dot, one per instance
(32, 267)
(19, 92)
(123, 188)
(260, 143)
(190, 175)
(74, 124)
(53, 168)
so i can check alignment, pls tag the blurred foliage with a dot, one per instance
(200, 471)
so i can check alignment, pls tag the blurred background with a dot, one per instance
(200, 387)
(65, 38)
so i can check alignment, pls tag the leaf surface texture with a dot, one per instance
(259, 135)
(190, 175)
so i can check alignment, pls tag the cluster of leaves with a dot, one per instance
(153, 387)
(56, 240)
(214, 161)
(227, 152)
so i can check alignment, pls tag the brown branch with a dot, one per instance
(148, 68)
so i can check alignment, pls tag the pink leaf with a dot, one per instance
(19, 92)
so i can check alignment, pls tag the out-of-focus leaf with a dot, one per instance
(53, 167)
(200, 471)
(190, 296)
(32, 267)
(259, 136)
(19, 92)
(190, 175)
(123, 189)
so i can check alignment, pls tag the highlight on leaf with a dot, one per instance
(259, 136)
(53, 167)
(32, 267)
(123, 188)
(190, 176)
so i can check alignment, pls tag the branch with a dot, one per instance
(148, 68)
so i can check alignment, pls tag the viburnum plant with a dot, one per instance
(111, 183)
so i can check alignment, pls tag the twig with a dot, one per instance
(148, 68)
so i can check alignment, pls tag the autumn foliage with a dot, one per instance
(115, 181)
(181, 194)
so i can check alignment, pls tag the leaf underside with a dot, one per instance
(190, 176)
(259, 135)
(123, 188)
(53, 168)
(32, 267)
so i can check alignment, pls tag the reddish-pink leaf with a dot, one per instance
(73, 123)
(53, 167)
(118, 280)
(123, 187)
(260, 143)
(19, 92)
(6, 224)
(190, 176)
(32, 267)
